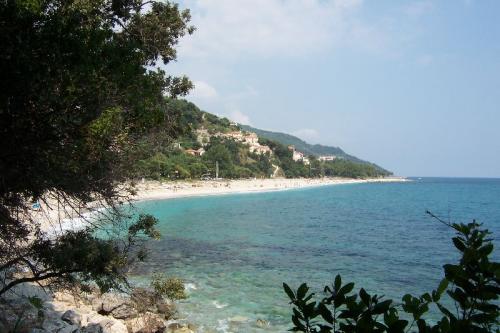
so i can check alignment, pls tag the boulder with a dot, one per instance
(262, 323)
(167, 310)
(54, 325)
(179, 328)
(106, 325)
(72, 317)
(146, 323)
(92, 328)
(145, 300)
(124, 311)
(113, 326)
(116, 305)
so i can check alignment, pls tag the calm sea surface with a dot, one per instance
(235, 251)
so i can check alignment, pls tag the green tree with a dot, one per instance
(220, 154)
(80, 87)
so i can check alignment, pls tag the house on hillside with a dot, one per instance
(251, 138)
(195, 152)
(327, 157)
(202, 136)
(297, 155)
(259, 149)
(235, 135)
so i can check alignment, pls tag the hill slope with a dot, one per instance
(306, 148)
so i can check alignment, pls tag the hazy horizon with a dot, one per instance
(411, 86)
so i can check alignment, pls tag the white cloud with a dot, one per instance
(229, 28)
(240, 117)
(307, 134)
(203, 90)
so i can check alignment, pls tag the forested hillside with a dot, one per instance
(306, 148)
(211, 147)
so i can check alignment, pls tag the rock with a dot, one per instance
(107, 325)
(113, 326)
(72, 317)
(174, 326)
(92, 328)
(179, 328)
(147, 323)
(64, 297)
(238, 319)
(69, 329)
(167, 310)
(54, 325)
(262, 323)
(124, 311)
(145, 300)
(33, 330)
(118, 306)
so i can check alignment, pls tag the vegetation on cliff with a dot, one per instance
(220, 142)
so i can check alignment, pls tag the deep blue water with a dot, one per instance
(236, 250)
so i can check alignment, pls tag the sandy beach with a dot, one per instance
(154, 190)
(56, 219)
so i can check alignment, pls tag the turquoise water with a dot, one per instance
(235, 251)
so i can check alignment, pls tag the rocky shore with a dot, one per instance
(88, 311)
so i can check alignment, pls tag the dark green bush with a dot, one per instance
(472, 285)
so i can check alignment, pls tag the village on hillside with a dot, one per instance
(249, 139)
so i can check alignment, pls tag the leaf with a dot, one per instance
(325, 313)
(347, 288)
(382, 307)
(442, 286)
(446, 312)
(289, 291)
(398, 326)
(459, 244)
(338, 282)
(364, 297)
(485, 250)
(422, 326)
(301, 292)
(445, 325)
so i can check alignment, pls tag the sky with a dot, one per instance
(413, 86)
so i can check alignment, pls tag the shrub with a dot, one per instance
(169, 287)
(473, 285)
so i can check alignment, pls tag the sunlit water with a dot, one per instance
(235, 251)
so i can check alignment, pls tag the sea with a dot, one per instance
(235, 251)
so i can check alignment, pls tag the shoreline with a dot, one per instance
(157, 190)
(63, 306)
(55, 221)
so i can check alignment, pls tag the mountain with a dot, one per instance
(304, 147)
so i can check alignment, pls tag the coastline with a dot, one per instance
(55, 220)
(156, 190)
(63, 305)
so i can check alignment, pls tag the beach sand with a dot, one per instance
(55, 219)
(154, 190)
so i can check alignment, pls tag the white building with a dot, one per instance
(251, 138)
(327, 157)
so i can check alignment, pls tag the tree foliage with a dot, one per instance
(80, 88)
(473, 285)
